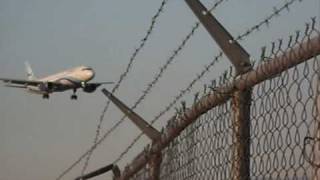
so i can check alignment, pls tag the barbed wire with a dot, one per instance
(152, 83)
(168, 107)
(207, 69)
(145, 92)
(139, 100)
(115, 88)
(165, 66)
(266, 21)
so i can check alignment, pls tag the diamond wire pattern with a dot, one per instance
(281, 117)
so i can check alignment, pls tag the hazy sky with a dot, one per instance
(40, 138)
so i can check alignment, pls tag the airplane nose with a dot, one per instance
(90, 74)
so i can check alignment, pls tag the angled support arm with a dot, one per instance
(143, 125)
(114, 168)
(233, 50)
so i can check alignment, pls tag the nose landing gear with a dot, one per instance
(74, 96)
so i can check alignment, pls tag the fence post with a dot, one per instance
(241, 135)
(241, 99)
(155, 164)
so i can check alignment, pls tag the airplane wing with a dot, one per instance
(15, 86)
(20, 82)
(91, 87)
(95, 84)
(100, 83)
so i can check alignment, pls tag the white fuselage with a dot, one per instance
(70, 79)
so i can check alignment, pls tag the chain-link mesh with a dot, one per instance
(281, 118)
(284, 125)
(203, 150)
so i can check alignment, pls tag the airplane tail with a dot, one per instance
(30, 74)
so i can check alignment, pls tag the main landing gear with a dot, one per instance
(74, 96)
(45, 96)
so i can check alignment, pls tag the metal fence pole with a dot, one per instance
(155, 164)
(241, 135)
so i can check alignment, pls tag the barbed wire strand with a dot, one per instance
(171, 104)
(150, 85)
(164, 67)
(266, 21)
(243, 36)
(116, 87)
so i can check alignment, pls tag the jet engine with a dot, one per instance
(89, 88)
(46, 86)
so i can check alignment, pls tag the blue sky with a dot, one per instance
(40, 138)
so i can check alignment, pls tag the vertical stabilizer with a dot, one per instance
(29, 71)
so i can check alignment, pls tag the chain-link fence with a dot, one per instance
(203, 142)
(282, 116)
(283, 111)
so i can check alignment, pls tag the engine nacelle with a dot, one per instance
(46, 86)
(89, 88)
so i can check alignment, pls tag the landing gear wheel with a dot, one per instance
(45, 96)
(74, 97)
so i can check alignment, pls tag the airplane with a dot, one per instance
(71, 79)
